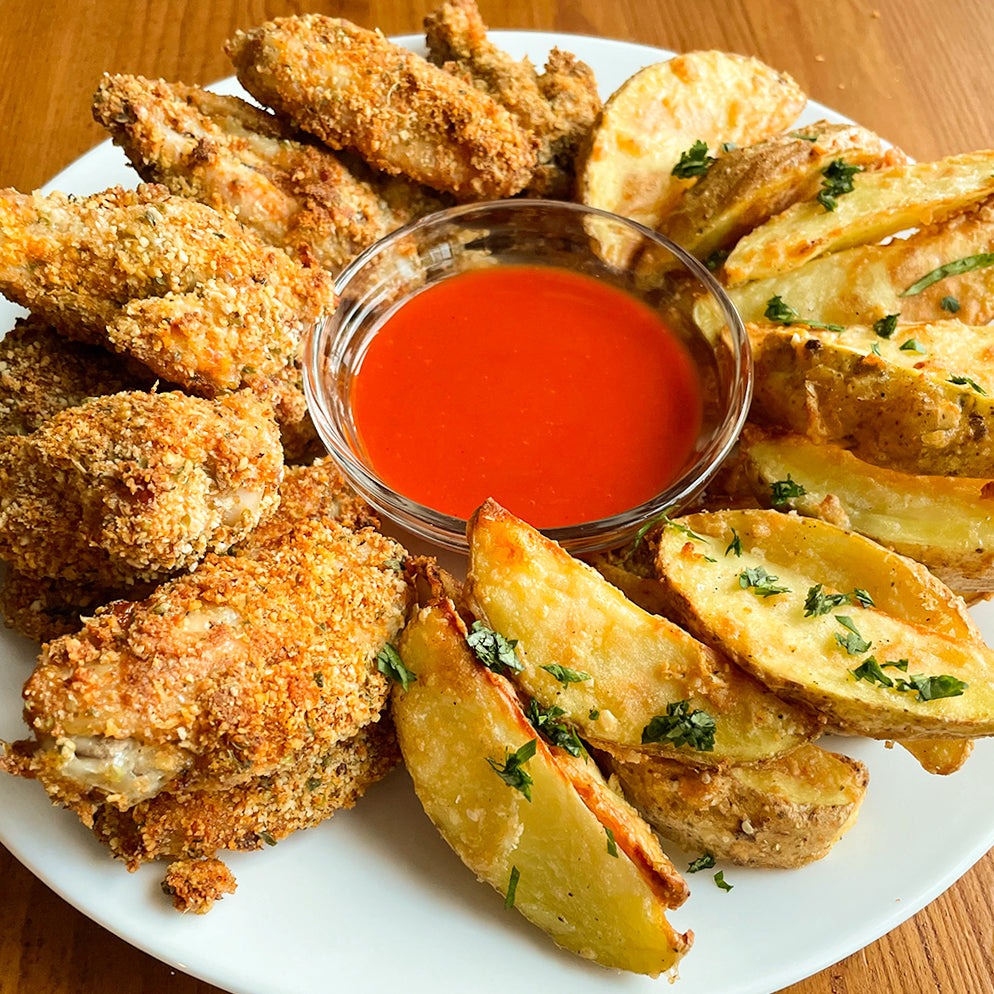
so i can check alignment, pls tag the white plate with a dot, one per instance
(373, 900)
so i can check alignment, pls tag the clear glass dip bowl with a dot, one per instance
(528, 232)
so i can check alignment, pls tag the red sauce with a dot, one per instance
(563, 398)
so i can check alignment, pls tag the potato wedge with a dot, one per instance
(633, 667)
(937, 756)
(748, 185)
(881, 203)
(774, 609)
(604, 896)
(923, 402)
(657, 114)
(863, 284)
(785, 812)
(944, 522)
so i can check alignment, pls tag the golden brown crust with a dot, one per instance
(196, 824)
(136, 485)
(288, 188)
(195, 884)
(42, 373)
(355, 89)
(240, 669)
(181, 287)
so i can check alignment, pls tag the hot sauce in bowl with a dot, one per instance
(489, 350)
(555, 393)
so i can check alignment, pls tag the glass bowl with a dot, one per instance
(529, 232)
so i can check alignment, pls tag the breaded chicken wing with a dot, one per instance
(557, 109)
(42, 373)
(196, 824)
(355, 89)
(136, 485)
(245, 668)
(185, 289)
(291, 190)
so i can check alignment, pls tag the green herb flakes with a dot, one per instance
(735, 545)
(782, 491)
(682, 727)
(705, 862)
(512, 888)
(949, 303)
(955, 268)
(886, 326)
(837, 179)
(853, 642)
(694, 162)
(492, 649)
(389, 663)
(761, 583)
(612, 846)
(966, 381)
(512, 771)
(546, 722)
(721, 882)
(565, 675)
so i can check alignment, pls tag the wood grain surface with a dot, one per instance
(917, 71)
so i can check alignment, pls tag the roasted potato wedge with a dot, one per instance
(861, 285)
(657, 115)
(749, 184)
(938, 756)
(602, 894)
(631, 668)
(922, 402)
(812, 611)
(944, 522)
(785, 812)
(881, 203)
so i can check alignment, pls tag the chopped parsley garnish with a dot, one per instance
(782, 313)
(761, 583)
(318, 679)
(492, 649)
(512, 772)
(949, 303)
(512, 887)
(594, 714)
(777, 310)
(886, 326)
(719, 879)
(716, 259)
(389, 663)
(837, 179)
(565, 675)
(682, 727)
(782, 491)
(705, 862)
(683, 529)
(912, 345)
(961, 381)
(853, 643)
(267, 838)
(735, 545)
(612, 846)
(818, 602)
(804, 138)
(955, 268)
(546, 723)
(694, 162)
(875, 349)
(728, 146)
(925, 688)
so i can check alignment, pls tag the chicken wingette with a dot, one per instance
(136, 485)
(251, 666)
(355, 89)
(290, 189)
(185, 289)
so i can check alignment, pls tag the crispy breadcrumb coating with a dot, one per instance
(355, 89)
(557, 109)
(136, 485)
(42, 608)
(238, 670)
(195, 824)
(42, 373)
(288, 188)
(195, 884)
(184, 289)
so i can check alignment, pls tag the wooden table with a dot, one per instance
(917, 71)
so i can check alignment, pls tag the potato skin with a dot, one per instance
(606, 906)
(784, 813)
